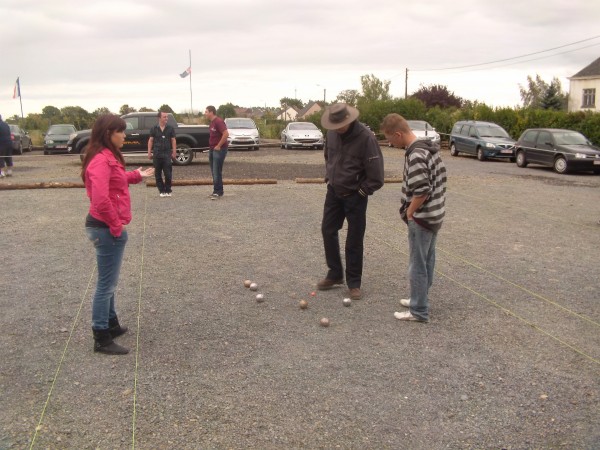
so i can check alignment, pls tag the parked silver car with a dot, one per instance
(20, 139)
(423, 130)
(301, 134)
(243, 133)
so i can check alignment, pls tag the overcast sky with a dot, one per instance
(253, 52)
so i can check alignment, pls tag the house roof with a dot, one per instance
(304, 110)
(592, 70)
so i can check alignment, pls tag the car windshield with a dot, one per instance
(61, 130)
(303, 126)
(419, 125)
(570, 138)
(239, 123)
(14, 128)
(491, 131)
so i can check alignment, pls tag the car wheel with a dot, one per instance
(453, 150)
(480, 154)
(184, 156)
(30, 148)
(20, 149)
(521, 161)
(560, 165)
(257, 148)
(46, 152)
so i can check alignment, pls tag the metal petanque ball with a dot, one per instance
(324, 322)
(260, 298)
(347, 302)
(247, 283)
(253, 287)
(303, 304)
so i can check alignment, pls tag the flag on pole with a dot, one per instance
(186, 72)
(17, 89)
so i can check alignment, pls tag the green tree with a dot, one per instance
(144, 109)
(99, 111)
(348, 96)
(52, 113)
(374, 89)
(554, 98)
(226, 110)
(291, 102)
(437, 95)
(126, 109)
(77, 116)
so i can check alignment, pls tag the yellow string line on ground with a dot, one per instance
(137, 337)
(512, 283)
(499, 306)
(64, 353)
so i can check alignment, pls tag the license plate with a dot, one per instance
(61, 146)
(506, 152)
(307, 145)
(597, 163)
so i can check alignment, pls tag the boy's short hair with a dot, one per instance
(394, 122)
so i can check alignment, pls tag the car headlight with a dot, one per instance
(72, 136)
(49, 141)
(489, 145)
(580, 155)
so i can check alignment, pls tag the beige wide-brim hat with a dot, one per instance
(338, 115)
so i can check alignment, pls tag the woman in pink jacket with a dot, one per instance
(107, 185)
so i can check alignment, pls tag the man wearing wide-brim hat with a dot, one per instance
(354, 170)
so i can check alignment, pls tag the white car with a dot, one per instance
(243, 133)
(423, 130)
(303, 135)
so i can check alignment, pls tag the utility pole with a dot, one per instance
(406, 84)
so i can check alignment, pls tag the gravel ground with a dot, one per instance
(510, 359)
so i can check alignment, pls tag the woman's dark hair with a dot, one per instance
(103, 129)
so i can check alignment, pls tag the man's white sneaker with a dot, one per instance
(168, 194)
(405, 302)
(162, 194)
(406, 315)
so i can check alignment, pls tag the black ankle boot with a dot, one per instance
(103, 343)
(115, 329)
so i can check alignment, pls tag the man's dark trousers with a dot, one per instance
(163, 164)
(353, 208)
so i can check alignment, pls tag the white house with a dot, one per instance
(584, 88)
(288, 114)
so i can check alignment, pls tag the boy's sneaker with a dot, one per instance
(405, 302)
(162, 194)
(407, 316)
(168, 194)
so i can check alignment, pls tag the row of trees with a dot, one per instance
(544, 105)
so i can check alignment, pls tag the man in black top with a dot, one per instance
(354, 170)
(162, 149)
(5, 150)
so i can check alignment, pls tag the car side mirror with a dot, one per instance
(548, 143)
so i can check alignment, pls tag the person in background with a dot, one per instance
(217, 144)
(162, 150)
(354, 170)
(422, 208)
(107, 186)
(6, 161)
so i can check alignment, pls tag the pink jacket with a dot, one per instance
(107, 185)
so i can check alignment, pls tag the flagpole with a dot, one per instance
(191, 106)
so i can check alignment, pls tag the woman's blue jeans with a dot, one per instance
(216, 158)
(109, 256)
(421, 267)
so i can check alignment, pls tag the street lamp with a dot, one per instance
(324, 93)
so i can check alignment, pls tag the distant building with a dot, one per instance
(288, 114)
(584, 88)
(309, 109)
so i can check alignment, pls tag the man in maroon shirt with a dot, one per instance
(217, 144)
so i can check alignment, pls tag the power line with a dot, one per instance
(508, 59)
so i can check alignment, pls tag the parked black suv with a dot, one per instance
(483, 139)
